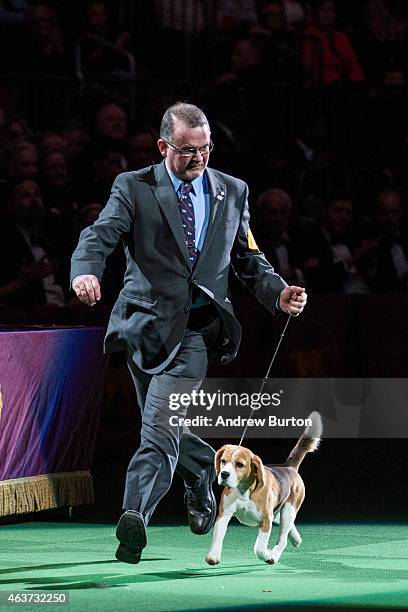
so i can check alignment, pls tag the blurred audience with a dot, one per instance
(330, 259)
(384, 253)
(275, 235)
(141, 148)
(44, 51)
(27, 270)
(21, 161)
(111, 124)
(101, 47)
(277, 79)
(327, 53)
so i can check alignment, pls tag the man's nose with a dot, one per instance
(198, 156)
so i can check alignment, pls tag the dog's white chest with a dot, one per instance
(246, 512)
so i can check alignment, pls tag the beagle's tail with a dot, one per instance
(308, 442)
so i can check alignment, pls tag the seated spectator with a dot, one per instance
(14, 131)
(141, 149)
(105, 165)
(381, 41)
(27, 270)
(50, 141)
(330, 264)
(108, 134)
(246, 56)
(295, 13)
(55, 184)
(21, 162)
(98, 59)
(111, 124)
(327, 53)
(44, 50)
(275, 235)
(384, 254)
(280, 49)
(76, 138)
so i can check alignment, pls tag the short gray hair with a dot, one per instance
(188, 114)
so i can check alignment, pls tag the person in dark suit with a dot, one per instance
(182, 225)
(28, 267)
(276, 235)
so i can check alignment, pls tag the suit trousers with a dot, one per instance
(165, 448)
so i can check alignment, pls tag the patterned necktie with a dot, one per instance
(188, 220)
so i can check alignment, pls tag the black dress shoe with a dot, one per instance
(200, 500)
(131, 533)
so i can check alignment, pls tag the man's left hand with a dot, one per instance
(292, 300)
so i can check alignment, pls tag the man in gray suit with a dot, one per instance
(182, 225)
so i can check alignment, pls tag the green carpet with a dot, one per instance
(350, 566)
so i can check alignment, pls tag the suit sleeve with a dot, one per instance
(99, 240)
(252, 267)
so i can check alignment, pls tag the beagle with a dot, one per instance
(258, 495)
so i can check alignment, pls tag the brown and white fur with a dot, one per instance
(257, 495)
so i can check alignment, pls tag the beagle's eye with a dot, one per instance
(239, 464)
(223, 461)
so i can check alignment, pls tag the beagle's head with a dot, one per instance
(237, 465)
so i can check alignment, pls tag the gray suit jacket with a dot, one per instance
(151, 312)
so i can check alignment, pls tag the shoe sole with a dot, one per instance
(131, 533)
(122, 554)
(214, 506)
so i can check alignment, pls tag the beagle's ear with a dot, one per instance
(217, 458)
(257, 467)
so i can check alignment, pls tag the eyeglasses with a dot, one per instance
(190, 151)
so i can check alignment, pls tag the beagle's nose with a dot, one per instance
(224, 475)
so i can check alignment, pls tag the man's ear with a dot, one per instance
(257, 467)
(162, 147)
(217, 458)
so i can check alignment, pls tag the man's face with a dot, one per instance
(26, 204)
(111, 122)
(25, 165)
(186, 168)
(327, 14)
(55, 170)
(275, 215)
(273, 16)
(96, 16)
(337, 216)
(390, 212)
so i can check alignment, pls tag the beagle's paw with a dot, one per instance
(295, 539)
(212, 559)
(273, 556)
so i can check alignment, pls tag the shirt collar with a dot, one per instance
(197, 183)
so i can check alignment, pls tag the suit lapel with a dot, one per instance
(166, 196)
(217, 203)
(167, 199)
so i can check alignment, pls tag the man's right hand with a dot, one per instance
(87, 289)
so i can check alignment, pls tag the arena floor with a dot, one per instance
(339, 566)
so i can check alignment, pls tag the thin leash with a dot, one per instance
(266, 377)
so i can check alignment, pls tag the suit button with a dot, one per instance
(186, 308)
